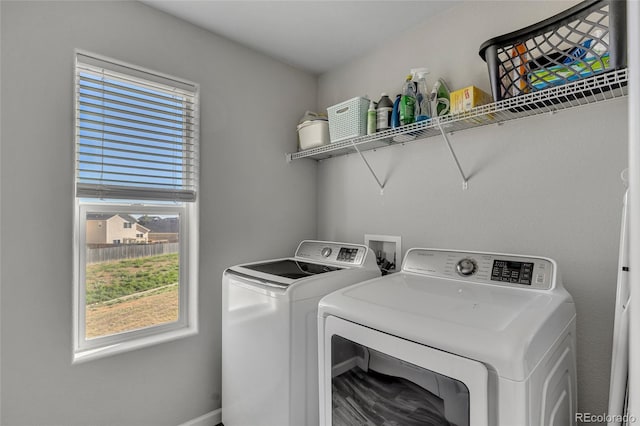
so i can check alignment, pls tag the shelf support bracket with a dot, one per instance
(380, 184)
(465, 179)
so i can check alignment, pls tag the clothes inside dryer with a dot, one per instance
(370, 387)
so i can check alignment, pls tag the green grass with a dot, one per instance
(111, 280)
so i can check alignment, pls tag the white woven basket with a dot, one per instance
(348, 119)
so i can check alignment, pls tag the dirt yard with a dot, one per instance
(131, 313)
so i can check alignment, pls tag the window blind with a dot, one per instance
(136, 133)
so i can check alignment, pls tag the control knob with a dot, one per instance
(466, 267)
(326, 252)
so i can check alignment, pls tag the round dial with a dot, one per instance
(466, 267)
(326, 252)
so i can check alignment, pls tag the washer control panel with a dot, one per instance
(467, 266)
(487, 268)
(323, 251)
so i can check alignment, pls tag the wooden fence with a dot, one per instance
(129, 251)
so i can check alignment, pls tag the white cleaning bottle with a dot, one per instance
(371, 118)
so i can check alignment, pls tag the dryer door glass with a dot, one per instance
(371, 387)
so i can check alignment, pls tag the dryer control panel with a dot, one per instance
(487, 268)
(323, 251)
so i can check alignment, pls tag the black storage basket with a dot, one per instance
(587, 39)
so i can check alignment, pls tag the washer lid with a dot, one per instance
(279, 274)
(505, 327)
(291, 268)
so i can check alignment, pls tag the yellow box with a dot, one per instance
(468, 98)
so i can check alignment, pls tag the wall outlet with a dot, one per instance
(388, 251)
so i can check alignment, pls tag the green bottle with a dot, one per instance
(408, 102)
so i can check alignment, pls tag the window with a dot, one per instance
(136, 222)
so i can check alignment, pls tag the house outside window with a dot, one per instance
(136, 221)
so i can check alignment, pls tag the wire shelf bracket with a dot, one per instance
(373, 173)
(465, 179)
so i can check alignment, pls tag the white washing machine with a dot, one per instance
(455, 338)
(269, 331)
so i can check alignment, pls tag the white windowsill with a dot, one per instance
(85, 355)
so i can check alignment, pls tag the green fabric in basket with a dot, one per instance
(560, 74)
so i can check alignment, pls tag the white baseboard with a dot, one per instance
(212, 418)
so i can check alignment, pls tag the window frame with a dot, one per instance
(187, 324)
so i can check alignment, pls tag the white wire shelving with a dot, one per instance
(594, 89)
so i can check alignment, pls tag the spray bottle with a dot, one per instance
(423, 103)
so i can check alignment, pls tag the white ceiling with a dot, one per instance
(309, 34)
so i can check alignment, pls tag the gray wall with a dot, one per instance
(250, 105)
(547, 185)
(559, 174)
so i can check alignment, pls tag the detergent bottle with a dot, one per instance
(395, 114)
(408, 102)
(384, 113)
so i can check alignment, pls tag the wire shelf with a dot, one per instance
(598, 88)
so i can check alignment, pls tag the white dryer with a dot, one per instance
(455, 338)
(618, 413)
(269, 331)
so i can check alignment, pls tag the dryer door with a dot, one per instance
(370, 377)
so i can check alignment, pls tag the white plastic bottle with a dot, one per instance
(371, 118)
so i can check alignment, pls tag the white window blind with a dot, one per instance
(136, 133)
